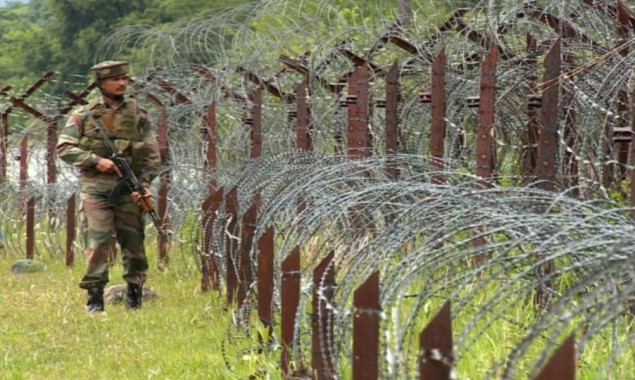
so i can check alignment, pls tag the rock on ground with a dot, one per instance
(27, 266)
(116, 293)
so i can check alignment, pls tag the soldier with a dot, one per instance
(81, 145)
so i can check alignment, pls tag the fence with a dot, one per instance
(551, 159)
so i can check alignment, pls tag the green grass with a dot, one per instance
(46, 333)
(186, 334)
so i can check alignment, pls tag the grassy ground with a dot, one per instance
(46, 333)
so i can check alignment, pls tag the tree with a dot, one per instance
(79, 25)
(26, 46)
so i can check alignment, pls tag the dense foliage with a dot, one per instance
(63, 35)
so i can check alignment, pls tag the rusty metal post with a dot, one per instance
(231, 204)
(27, 206)
(51, 168)
(358, 131)
(70, 230)
(249, 219)
(366, 329)
(256, 128)
(210, 134)
(437, 111)
(303, 125)
(624, 32)
(30, 228)
(572, 179)
(23, 158)
(436, 358)
(528, 162)
(247, 233)
(359, 139)
(265, 278)
(210, 277)
(393, 94)
(631, 171)
(548, 127)
(570, 136)
(436, 98)
(4, 148)
(562, 364)
(485, 147)
(547, 155)
(51, 143)
(164, 185)
(485, 153)
(321, 326)
(290, 301)
(165, 177)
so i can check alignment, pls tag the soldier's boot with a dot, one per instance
(134, 295)
(95, 302)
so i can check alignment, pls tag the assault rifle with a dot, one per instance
(129, 180)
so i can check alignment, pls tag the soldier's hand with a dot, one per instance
(106, 165)
(143, 201)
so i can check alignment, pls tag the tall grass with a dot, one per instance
(46, 333)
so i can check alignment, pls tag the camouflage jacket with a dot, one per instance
(129, 127)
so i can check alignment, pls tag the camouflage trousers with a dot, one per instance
(101, 224)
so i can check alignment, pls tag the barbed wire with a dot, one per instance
(424, 237)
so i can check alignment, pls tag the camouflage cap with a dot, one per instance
(109, 69)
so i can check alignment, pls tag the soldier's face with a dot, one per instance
(115, 85)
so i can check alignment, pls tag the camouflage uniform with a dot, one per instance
(80, 144)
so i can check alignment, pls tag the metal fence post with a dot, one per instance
(265, 277)
(366, 329)
(290, 301)
(393, 94)
(437, 104)
(530, 139)
(436, 358)
(548, 127)
(231, 241)
(164, 184)
(4, 140)
(210, 277)
(321, 326)
(562, 364)
(359, 139)
(70, 229)
(303, 126)
(547, 154)
(485, 153)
